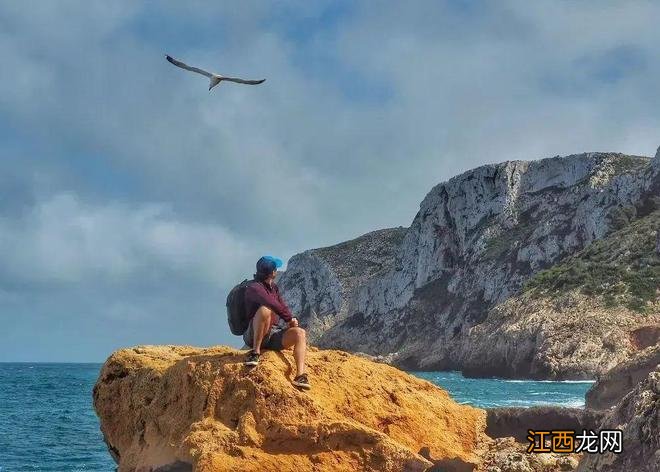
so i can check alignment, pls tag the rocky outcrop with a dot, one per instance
(183, 408)
(514, 422)
(622, 379)
(572, 337)
(474, 244)
(638, 416)
(507, 455)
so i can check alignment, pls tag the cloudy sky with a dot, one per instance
(132, 199)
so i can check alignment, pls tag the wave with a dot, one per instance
(498, 392)
(552, 381)
(528, 403)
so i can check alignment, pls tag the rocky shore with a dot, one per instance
(183, 409)
(514, 422)
(622, 379)
(637, 415)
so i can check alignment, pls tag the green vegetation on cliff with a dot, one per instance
(622, 268)
(625, 164)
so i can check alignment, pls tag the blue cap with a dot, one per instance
(267, 264)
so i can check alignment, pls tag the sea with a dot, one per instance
(47, 422)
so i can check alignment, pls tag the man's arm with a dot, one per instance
(257, 294)
(283, 303)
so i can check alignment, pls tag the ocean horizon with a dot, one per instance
(48, 423)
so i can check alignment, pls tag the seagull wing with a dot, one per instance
(243, 81)
(187, 67)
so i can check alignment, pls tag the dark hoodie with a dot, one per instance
(259, 294)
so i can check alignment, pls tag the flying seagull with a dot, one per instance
(215, 78)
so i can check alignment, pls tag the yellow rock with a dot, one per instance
(165, 405)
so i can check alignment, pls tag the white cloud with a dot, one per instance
(65, 242)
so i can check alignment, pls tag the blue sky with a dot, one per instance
(131, 198)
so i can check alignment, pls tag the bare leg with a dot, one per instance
(260, 326)
(296, 338)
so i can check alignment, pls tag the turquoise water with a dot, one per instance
(47, 422)
(489, 393)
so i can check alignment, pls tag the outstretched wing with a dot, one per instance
(243, 81)
(187, 67)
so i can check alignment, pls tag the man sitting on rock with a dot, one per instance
(265, 308)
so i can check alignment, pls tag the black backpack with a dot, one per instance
(238, 322)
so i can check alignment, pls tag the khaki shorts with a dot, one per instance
(272, 340)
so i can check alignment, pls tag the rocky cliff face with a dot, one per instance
(176, 408)
(475, 242)
(320, 284)
(638, 416)
(622, 379)
(595, 309)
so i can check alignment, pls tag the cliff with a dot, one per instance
(637, 415)
(166, 408)
(615, 384)
(580, 318)
(460, 290)
(320, 284)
